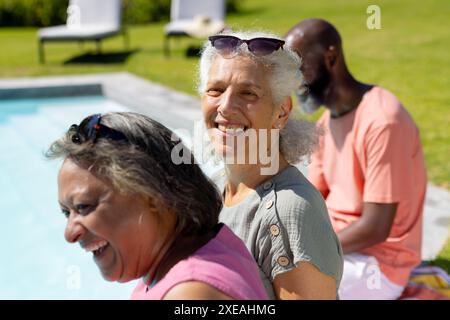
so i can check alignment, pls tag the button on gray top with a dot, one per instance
(283, 261)
(274, 230)
(294, 207)
(267, 185)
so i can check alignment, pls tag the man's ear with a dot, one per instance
(331, 56)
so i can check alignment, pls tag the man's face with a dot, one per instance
(315, 73)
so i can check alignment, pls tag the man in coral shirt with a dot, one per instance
(369, 167)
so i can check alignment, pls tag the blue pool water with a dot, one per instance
(36, 262)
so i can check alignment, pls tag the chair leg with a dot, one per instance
(41, 51)
(99, 45)
(126, 38)
(166, 46)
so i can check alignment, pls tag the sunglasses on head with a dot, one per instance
(228, 45)
(90, 129)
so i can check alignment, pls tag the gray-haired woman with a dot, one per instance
(143, 216)
(246, 82)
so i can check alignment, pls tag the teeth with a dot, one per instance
(235, 130)
(231, 129)
(96, 246)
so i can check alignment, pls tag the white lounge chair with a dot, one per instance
(87, 20)
(194, 18)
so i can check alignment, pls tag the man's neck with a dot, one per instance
(345, 95)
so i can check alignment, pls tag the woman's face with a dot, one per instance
(122, 232)
(237, 100)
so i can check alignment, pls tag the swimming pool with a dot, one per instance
(36, 261)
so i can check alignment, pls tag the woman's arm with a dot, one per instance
(304, 282)
(195, 290)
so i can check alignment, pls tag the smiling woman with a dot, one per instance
(143, 216)
(100, 219)
(246, 82)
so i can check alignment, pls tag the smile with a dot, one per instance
(97, 248)
(230, 130)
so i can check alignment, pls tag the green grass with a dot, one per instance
(409, 56)
(443, 260)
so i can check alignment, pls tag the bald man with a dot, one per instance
(369, 167)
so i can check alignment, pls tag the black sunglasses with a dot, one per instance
(90, 129)
(228, 45)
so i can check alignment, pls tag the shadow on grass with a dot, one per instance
(193, 52)
(101, 58)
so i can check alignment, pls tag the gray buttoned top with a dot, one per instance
(285, 221)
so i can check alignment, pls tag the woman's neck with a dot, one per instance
(181, 248)
(242, 179)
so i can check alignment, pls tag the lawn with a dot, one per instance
(409, 55)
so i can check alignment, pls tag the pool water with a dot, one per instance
(36, 261)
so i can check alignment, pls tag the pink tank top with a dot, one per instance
(224, 263)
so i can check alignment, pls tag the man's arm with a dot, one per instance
(372, 228)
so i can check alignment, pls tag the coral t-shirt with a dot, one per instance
(374, 154)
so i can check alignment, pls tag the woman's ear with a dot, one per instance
(285, 110)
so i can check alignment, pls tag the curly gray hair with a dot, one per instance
(143, 166)
(298, 138)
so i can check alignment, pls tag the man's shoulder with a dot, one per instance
(381, 107)
(324, 118)
(383, 94)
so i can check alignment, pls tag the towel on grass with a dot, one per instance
(427, 283)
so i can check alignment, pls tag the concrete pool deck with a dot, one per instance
(174, 109)
(180, 111)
